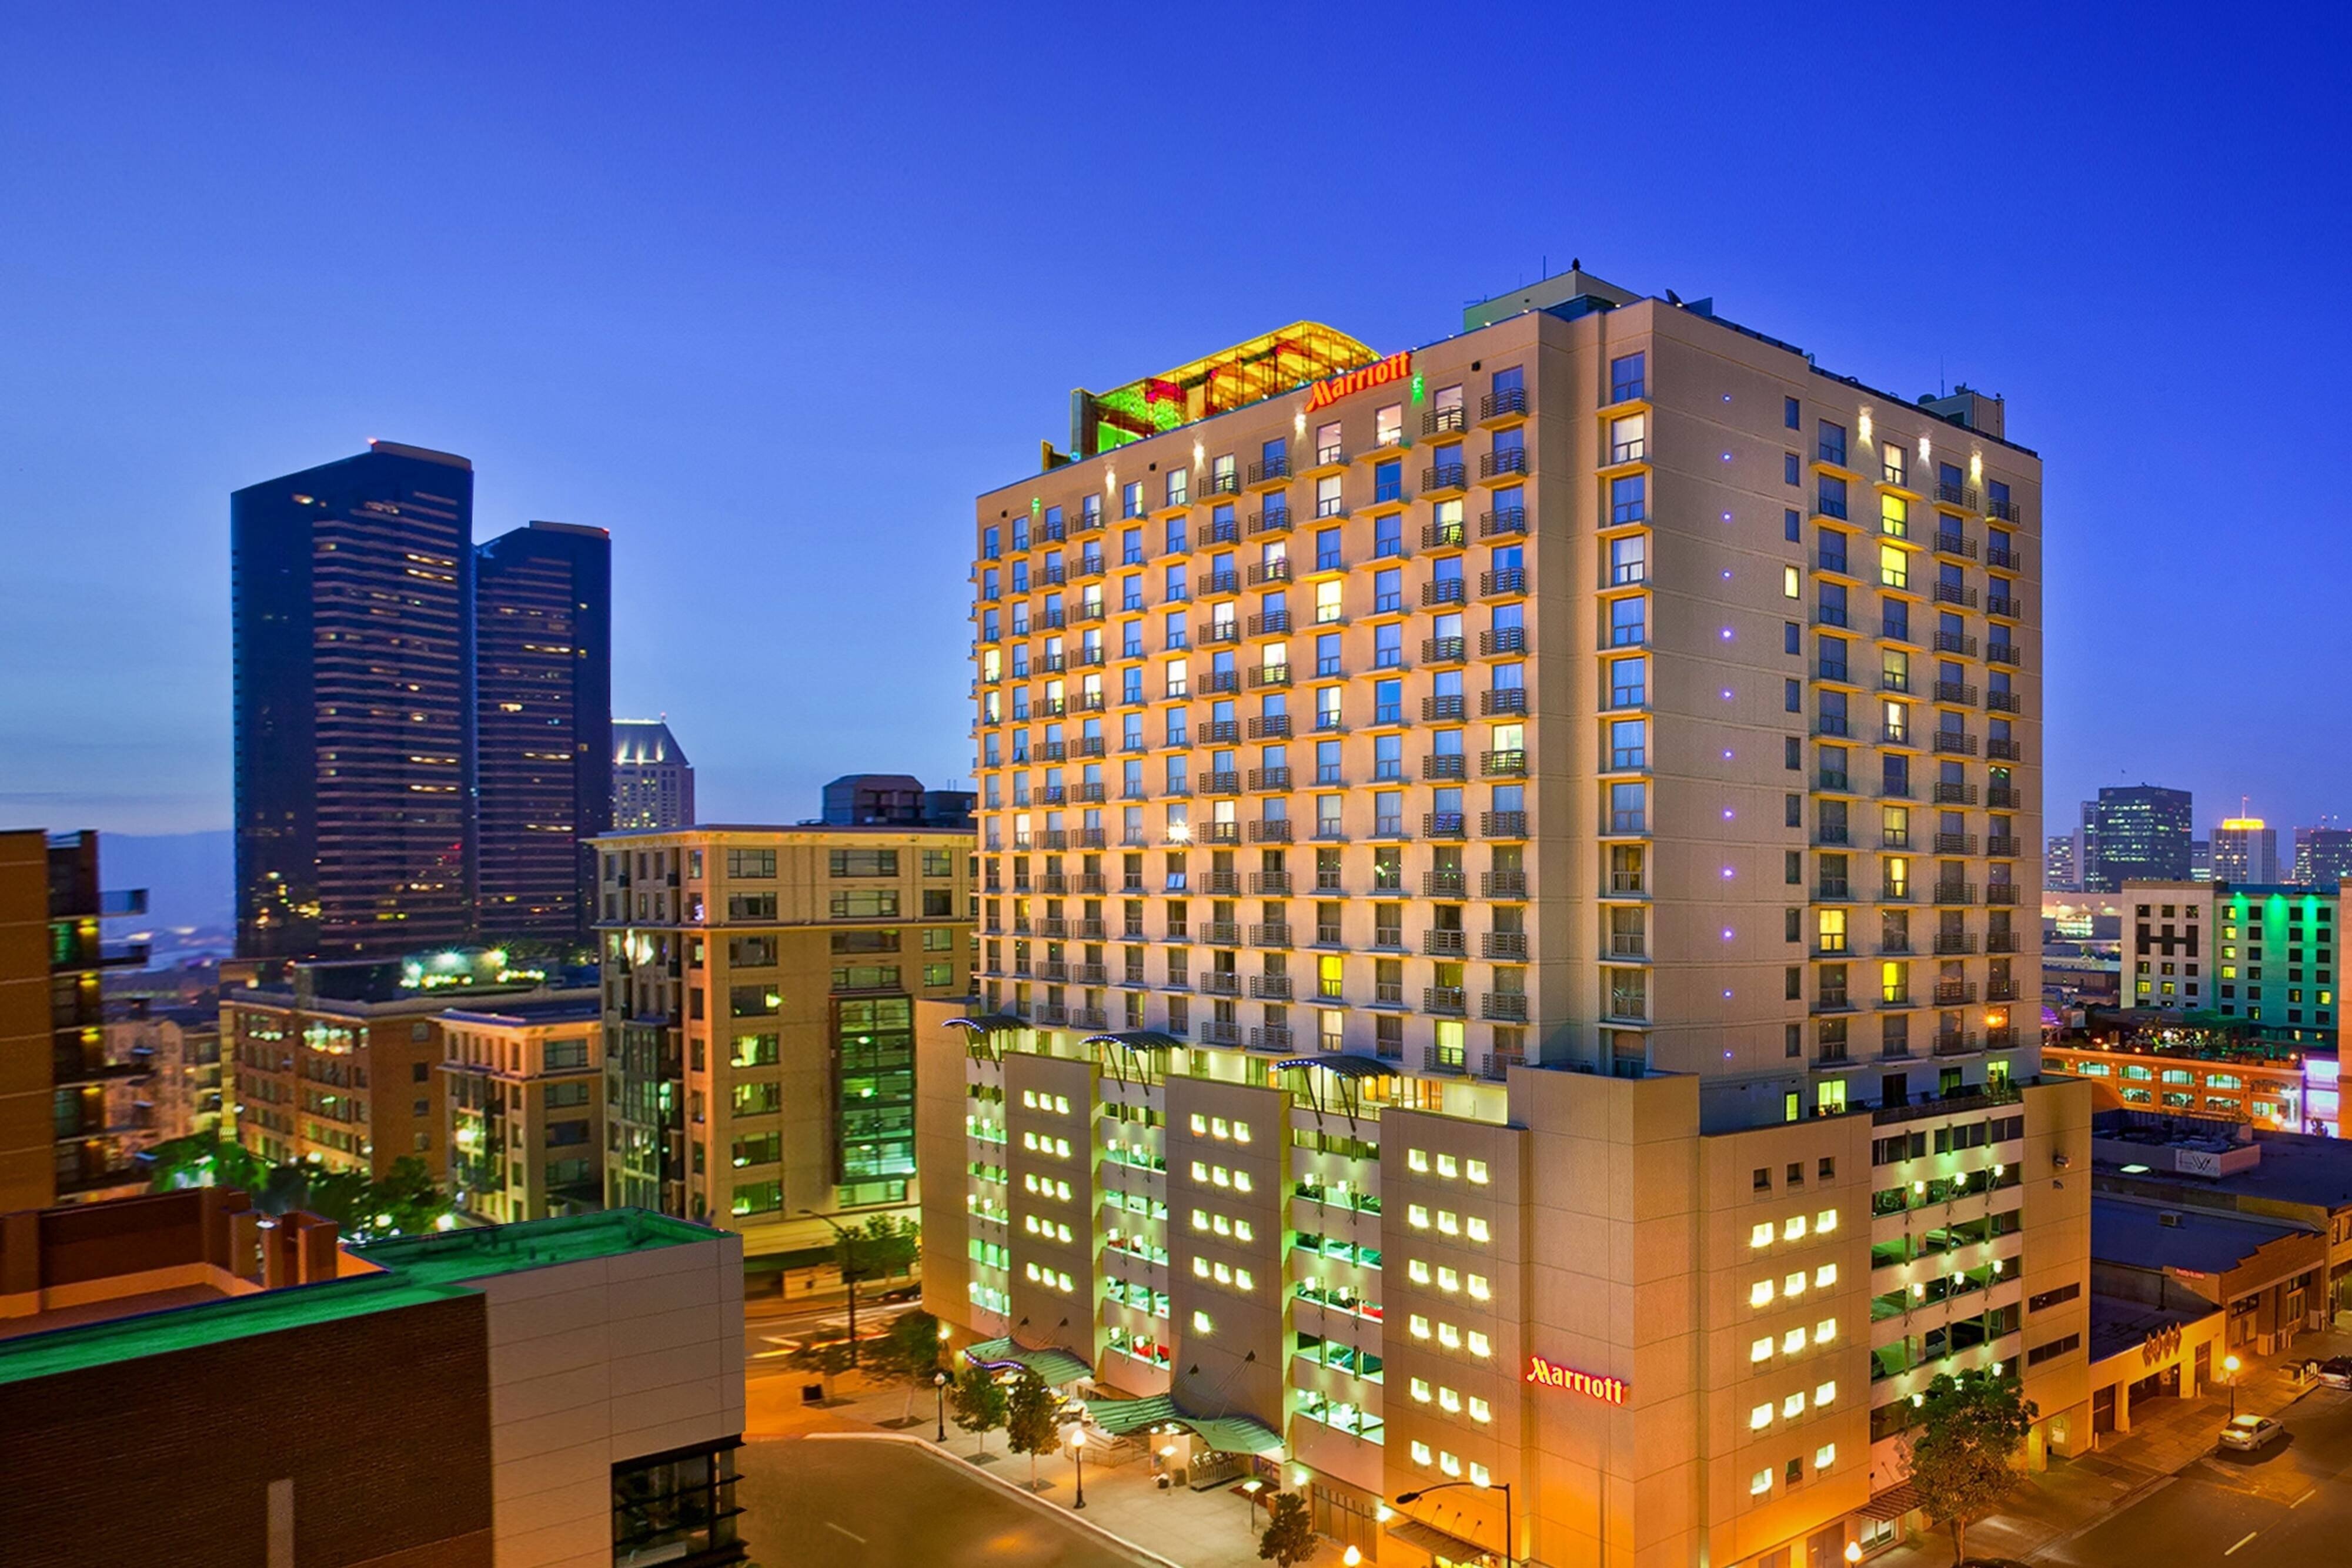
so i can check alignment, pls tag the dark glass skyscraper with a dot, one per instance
(351, 584)
(543, 758)
(2138, 834)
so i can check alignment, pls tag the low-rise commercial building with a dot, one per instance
(524, 1087)
(759, 986)
(2180, 1072)
(567, 1393)
(2266, 1275)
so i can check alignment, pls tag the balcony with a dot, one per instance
(1262, 572)
(2001, 556)
(1444, 825)
(1949, 542)
(1831, 890)
(1832, 561)
(1502, 462)
(1273, 727)
(1833, 999)
(1956, 743)
(1503, 520)
(2002, 846)
(2001, 797)
(1502, 824)
(1219, 832)
(1443, 590)
(2001, 750)
(1956, 795)
(1955, 642)
(1271, 779)
(2001, 605)
(1508, 699)
(1954, 993)
(1443, 536)
(2002, 654)
(1507, 885)
(1961, 496)
(1219, 732)
(1226, 483)
(1956, 892)
(1831, 779)
(1510, 403)
(1444, 651)
(1271, 935)
(2001, 892)
(1503, 642)
(1264, 675)
(1894, 893)
(1956, 843)
(1956, 1042)
(1451, 1000)
(1956, 593)
(1446, 765)
(1832, 833)
(1272, 520)
(1451, 421)
(1215, 631)
(1505, 946)
(1270, 830)
(1276, 884)
(1450, 477)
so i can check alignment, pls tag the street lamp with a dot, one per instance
(848, 1272)
(940, 1396)
(1250, 1489)
(1077, 1437)
(2230, 1365)
(1502, 1487)
(1350, 1558)
(1852, 1553)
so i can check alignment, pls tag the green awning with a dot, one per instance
(1055, 1367)
(1225, 1434)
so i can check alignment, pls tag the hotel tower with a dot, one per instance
(1507, 960)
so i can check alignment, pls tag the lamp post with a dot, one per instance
(1852, 1553)
(848, 1273)
(1509, 1541)
(940, 1396)
(1077, 1435)
(2230, 1365)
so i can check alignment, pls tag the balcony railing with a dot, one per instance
(1446, 942)
(1444, 476)
(1507, 1007)
(1507, 947)
(1445, 420)
(1507, 699)
(1504, 405)
(1502, 824)
(1443, 825)
(1950, 944)
(1956, 892)
(1504, 461)
(1503, 520)
(1448, 999)
(1443, 651)
(1504, 885)
(1506, 640)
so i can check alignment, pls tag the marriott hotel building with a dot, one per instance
(1507, 941)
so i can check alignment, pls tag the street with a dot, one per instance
(768, 1335)
(858, 1503)
(2290, 1505)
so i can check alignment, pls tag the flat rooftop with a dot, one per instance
(2118, 1325)
(414, 1270)
(555, 1009)
(2133, 1232)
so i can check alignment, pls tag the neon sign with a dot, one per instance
(1608, 1390)
(1395, 368)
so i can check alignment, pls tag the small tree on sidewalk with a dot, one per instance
(1030, 1426)
(978, 1401)
(1289, 1534)
(1963, 1452)
(827, 1358)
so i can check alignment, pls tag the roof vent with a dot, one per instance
(2170, 1216)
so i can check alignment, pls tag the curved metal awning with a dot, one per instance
(1225, 1434)
(1057, 1367)
(1136, 1040)
(990, 1023)
(1345, 1066)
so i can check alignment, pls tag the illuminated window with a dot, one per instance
(1421, 1389)
(1480, 1410)
(1825, 1276)
(1762, 1349)
(1199, 1125)
(1421, 1454)
(1417, 1271)
(1825, 1221)
(1242, 1230)
(1477, 1229)
(1824, 1394)
(1446, 1167)
(1448, 1463)
(1792, 1341)
(1478, 1476)
(1200, 1267)
(1242, 1280)
(1760, 1294)
(1479, 1289)
(1793, 1406)
(1448, 1281)
(1794, 1231)
(1420, 1326)
(1795, 1285)
(1449, 1401)
(1825, 1456)
(1417, 1160)
(1761, 1482)
(1759, 1417)
(1417, 1217)
(1200, 1219)
(1447, 1224)
(1201, 1323)
(1760, 1234)
(1478, 1345)
(1476, 1170)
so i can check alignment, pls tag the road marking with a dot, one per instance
(764, 1354)
(2303, 1498)
(861, 1540)
(2233, 1551)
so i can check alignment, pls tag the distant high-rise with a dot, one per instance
(2137, 833)
(653, 782)
(351, 584)
(543, 749)
(2245, 850)
(2200, 859)
(894, 799)
(2059, 873)
(2322, 856)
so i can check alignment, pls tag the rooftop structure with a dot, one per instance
(1232, 377)
(653, 782)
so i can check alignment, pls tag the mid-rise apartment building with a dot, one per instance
(524, 1089)
(1500, 920)
(339, 1062)
(759, 985)
(2261, 955)
(74, 1107)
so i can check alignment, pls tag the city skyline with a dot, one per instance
(606, 359)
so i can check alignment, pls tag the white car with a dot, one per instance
(2251, 1434)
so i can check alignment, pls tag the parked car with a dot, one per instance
(2335, 1370)
(903, 1293)
(2251, 1434)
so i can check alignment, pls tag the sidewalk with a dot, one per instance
(1214, 1529)
(2166, 1435)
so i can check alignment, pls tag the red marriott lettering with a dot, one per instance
(1395, 368)
(1610, 1390)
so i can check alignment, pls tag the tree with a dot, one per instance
(909, 1347)
(979, 1402)
(1289, 1535)
(883, 1247)
(827, 1358)
(1963, 1451)
(1030, 1426)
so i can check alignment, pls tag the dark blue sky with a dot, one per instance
(771, 292)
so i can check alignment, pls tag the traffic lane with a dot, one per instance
(2184, 1520)
(768, 1340)
(2316, 1450)
(858, 1503)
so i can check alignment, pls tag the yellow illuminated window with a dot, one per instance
(1894, 567)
